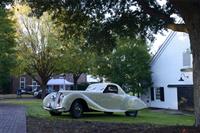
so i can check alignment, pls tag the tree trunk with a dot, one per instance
(44, 91)
(195, 45)
(193, 25)
(189, 11)
(75, 85)
(75, 78)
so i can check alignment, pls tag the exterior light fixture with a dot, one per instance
(182, 77)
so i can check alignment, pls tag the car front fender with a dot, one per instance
(70, 98)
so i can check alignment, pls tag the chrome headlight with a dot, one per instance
(53, 97)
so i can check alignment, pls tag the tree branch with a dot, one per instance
(33, 77)
(152, 11)
(177, 27)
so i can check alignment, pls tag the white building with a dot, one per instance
(172, 78)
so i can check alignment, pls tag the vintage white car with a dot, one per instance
(105, 97)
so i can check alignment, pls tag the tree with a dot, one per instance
(3, 3)
(38, 47)
(75, 59)
(141, 18)
(128, 65)
(7, 45)
(73, 30)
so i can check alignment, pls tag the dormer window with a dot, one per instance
(187, 58)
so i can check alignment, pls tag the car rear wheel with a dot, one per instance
(55, 113)
(131, 113)
(76, 110)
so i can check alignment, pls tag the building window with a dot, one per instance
(34, 85)
(22, 82)
(157, 94)
(187, 58)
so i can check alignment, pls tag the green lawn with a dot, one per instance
(34, 109)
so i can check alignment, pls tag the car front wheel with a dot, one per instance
(76, 110)
(131, 113)
(54, 113)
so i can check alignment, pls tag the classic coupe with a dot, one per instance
(104, 97)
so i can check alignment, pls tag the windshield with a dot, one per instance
(96, 88)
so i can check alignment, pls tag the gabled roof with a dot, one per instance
(163, 47)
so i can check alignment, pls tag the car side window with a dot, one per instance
(111, 89)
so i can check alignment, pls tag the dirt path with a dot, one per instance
(12, 119)
(74, 126)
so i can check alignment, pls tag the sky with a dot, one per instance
(159, 40)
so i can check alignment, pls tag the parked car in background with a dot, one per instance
(105, 97)
(29, 89)
(26, 91)
(38, 93)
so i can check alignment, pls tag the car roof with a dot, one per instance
(104, 84)
(99, 87)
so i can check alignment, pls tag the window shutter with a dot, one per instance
(162, 97)
(152, 93)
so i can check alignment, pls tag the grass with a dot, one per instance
(13, 96)
(147, 116)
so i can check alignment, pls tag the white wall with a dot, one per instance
(166, 70)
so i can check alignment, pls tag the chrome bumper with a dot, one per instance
(59, 109)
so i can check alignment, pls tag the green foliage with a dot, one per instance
(125, 17)
(75, 25)
(75, 59)
(71, 24)
(128, 65)
(38, 48)
(7, 52)
(100, 39)
(3, 3)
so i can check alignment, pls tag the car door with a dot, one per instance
(111, 99)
